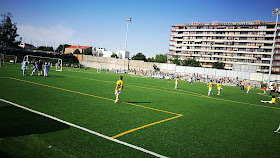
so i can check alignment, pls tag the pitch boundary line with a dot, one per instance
(123, 133)
(85, 129)
(189, 93)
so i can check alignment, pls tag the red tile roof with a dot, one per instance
(79, 47)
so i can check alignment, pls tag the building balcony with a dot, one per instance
(223, 51)
(224, 30)
(224, 46)
(255, 58)
(262, 70)
(231, 61)
(223, 35)
(223, 40)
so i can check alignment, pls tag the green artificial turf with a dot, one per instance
(234, 124)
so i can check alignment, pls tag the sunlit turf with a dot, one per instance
(234, 124)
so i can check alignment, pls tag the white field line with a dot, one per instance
(85, 129)
(113, 74)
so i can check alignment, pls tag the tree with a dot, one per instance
(44, 48)
(152, 59)
(114, 56)
(218, 65)
(175, 60)
(139, 56)
(88, 52)
(77, 51)
(8, 31)
(161, 58)
(61, 48)
(191, 62)
(49, 48)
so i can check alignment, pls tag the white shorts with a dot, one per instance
(176, 83)
(210, 89)
(118, 92)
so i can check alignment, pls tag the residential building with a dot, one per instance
(72, 49)
(121, 54)
(102, 52)
(233, 43)
(26, 46)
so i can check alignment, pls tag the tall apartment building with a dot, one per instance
(233, 43)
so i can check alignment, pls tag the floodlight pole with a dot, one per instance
(62, 48)
(275, 12)
(128, 20)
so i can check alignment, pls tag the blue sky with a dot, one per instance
(101, 23)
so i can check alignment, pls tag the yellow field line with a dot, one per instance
(200, 95)
(185, 93)
(61, 89)
(121, 134)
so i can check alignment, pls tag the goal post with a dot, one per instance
(10, 58)
(1, 60)
(57, 62)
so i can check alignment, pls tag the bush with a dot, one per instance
(114, 56)
(77, 51)
(88, 52)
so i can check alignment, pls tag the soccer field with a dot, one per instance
(72, 114)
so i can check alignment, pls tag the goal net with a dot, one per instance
(54, 63)
(10, 58)
(102, 67)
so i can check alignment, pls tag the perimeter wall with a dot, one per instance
(113, 63)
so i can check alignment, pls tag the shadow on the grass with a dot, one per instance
(18, 122)
(4, 154)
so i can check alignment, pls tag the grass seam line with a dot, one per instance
(85, 129)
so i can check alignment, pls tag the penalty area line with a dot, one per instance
(85, 129)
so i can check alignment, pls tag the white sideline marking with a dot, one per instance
(85, 129)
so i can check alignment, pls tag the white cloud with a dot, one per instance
(53, 35)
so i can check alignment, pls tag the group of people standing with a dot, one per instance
(219, 88)
(37, 67)
(243, 86)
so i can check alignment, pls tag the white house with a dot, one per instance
(102, 52)
(120, 54)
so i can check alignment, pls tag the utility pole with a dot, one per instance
(275, 12)
(128, 21)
